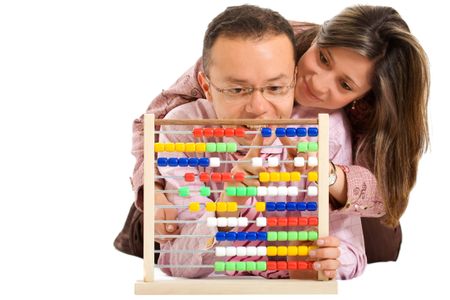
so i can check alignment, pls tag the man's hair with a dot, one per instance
(246, 22)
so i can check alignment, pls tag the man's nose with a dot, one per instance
(257, 103)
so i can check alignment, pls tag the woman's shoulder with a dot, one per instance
(198, 109)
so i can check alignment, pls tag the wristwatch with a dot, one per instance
(332, 178)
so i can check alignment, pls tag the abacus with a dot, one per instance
(241, 284)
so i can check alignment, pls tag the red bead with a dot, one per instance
(226, 177)
(229, 132)
(292, 221)
(198, 132)
(271, 265)
(204, 177)
(217, 177)
(208, 132)
(302, 221)
(189, 177)
(302, 265)
(239, 132)
(292, 265)
(310, 265)
(239, 176)
(313, 221)
(219, 132)
(282, 265)
(282, 221)
(272, 221)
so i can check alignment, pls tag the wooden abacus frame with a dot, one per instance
(229, 285)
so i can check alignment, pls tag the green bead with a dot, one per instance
(240, 266)
(230, 266)
(183, 191)
(205, 191)
(302, 236)
(250, 265)
(211, 147)
(292, 236)
(312, 235)
(272, 236)
(219, 266)
(221, 147)
(302, 147)
(251, 191)
(261, 265)
(313, 146)
(231, 147)
(241, 191)
(282, 235)
(231, 191)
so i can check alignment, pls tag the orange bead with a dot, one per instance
(272, 221)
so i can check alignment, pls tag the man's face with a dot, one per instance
(237, 63)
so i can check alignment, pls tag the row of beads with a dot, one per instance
(267, 236)
(250, 191)
(240, 176)
(221, 266)
(221, 147)
(261, 221)
(264, 251)
(265, 132)
(259, 206)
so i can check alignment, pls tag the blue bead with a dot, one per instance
(251, 236)
(291, 132)
(193, 162)
(203, 162)
(162, 162)
(301, 206)
(280, 132)
(173, 162)
(313, 131)
(301, 131)
(266, 132)
(241, 236)
(231, 236)
(183, 162)
(262, 236)
(271, 206)
(281, 206)
(221, 236)
(311, 206)
(291, 206)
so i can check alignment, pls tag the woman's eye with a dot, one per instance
(345, 86)
(323, 59)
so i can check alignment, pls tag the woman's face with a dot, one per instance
(331, 78)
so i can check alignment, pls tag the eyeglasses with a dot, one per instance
(270, 92)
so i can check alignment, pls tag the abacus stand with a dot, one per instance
(229, 285)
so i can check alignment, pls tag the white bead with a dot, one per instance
(261, 190)
(257, 162)
(231, 251)
(211, 222)
(299, 162)
(261, 251)
(292, 191)
(232, 222)
(222, 222)
(220, 251)
(214, 162)
(251, 251)
(312, 161)
(241, 251)
(273, 161)
(312, 190)
(261, 221)
(282, 191)
(242, 222)
(272, 190)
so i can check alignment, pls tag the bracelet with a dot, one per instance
(332, 178)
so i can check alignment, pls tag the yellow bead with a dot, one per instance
(200, 147)
(271, 251)
(194, 206)
(221, 206)
(260, 206)
(210, 206)
(169, 147)
(312, 176)
(159, 147)
(296, 176)
(285, 176)
(302, 250)
(264, 177)
(179, 147)
(190, 147)
(232, 206)
(312, 248)
(282, 251)
(292, 250)
(274, 176)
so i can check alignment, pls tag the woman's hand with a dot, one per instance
(327, 254)
(164, 214)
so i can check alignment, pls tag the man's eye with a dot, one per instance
(274, 89)
(323, 58)
(345, 86)
(236, 91)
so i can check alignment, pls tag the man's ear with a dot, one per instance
(201, 77)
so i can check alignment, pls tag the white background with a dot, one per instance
(75, 74)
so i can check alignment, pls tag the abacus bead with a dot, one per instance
(257, 162)
(312, 190)
(203, 162)
(173, 162)
(194, 206)
(312, 176)
(183, 191)
(183, 162)
(231, 206)
(311, 206)
(271, 237)
(200, 147)
(232, 222)
(241, 236)
(291, 132)
(282, 221)
(271, 265)
(313, 131)
(221, 147)
(292, 251)
(271, 206)
(240, 266)
(261, 251)
(219, 266)
(231, 251)
(313, 147)
(292, 191)
(179, 147)
(264, 176)
(250, 265)
(204, 177)
(292, 236)
(272, 221)
(219, 132)
(208, 132)
(292, 265)
(302, 235)
(231, 147)
(251, 251)
(261, 222)
(251, 191)
(313, 221)
(296, 176)
(261, 236)
(221, 251)
(312, 235)
(239, 176)
(273, 161)
(283, 191)
(266, 132)
(261, 266)
(240, 132)
(271, 251)
(302, 147)
(190, 147)
(274, 176)
(230, 191)
(229, 132)
(285, 176)
(210, 206)
(222, 222)
(205, 191)
(211, 147)
(282, 235)
(221, 206)
(302, 250)
(291, 206)
(211, 222)
(252, 236)
(231, 236)
(262, 190)
(158, 147)
(214, 162)
(242, 222)
(299, 162)
(312, 161)
(281, 206)
(302, 265)
(217, 177)
(282, 265)
(260, 206)
(272, 190)
(193, 162)
(302, 221)
(162, 162)
(230, 266)
(301, 206)
(169, 147)
(226, 177)
(241, 191)
(301, 131)
(197, 132)
(221, 236)
(280, 132)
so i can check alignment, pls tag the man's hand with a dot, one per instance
(162, 214)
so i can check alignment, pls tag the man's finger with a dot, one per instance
(170, 214)
(288, 142)
(255, 152)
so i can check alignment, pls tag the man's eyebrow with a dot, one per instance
(235, 80)
(346, 77)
